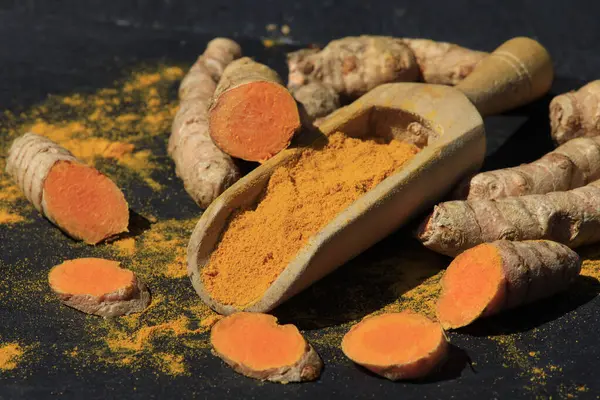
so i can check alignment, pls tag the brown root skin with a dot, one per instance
(501, 275)
(206, 171)
(571, 218)
(132, 297)
(252, 116)
(576, 114)
(236, 332)
(354, 65)
(574, 164)
(443, 63)
(67, 191)
(319, 100)
(363, 346)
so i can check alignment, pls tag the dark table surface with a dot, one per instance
(61, 47)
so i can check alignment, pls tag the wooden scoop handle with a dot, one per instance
(516, 73)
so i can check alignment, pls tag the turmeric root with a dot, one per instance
(576, 114)
(77, 198)
(318, 99)
(397, 345)
(576, 163)
(354, 65)
(571, 218)
(443, 63)
(254, 345)
(252, 115)
(206, 171)
(501, 275)
(99, 287)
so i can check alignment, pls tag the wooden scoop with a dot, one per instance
(516, 73)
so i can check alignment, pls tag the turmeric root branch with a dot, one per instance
(576, 114)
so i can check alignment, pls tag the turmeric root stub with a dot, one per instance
(254, 345)
(397, 345)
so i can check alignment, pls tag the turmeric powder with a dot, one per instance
(300, 199)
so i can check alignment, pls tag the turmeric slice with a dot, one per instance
(576, 163)
(206, 171)
(571, 218)
(254, 345)
(252, 116)
(99, 287)
(576, 113)
(77, 198)
(501, 275)
(397, 346)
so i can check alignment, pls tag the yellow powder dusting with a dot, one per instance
(172, 364)
(300, 199)
(10, 356)
(178, 268)
(60, 133)
(144, 336)
(10, 218)
(208, 322)
(173, 73)
(126, 247)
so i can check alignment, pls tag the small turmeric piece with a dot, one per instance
(77, 198)
(252, 115)
(99, 287)
(571, 218)
(397, 346)
(576, 113)
(574, 164)
(254, 345)
(206, 171)
(496, 276)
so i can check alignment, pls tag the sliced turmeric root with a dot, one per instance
(254, 345)
(492, 277)
(77, 198)
(99, 287)
(252, 116)
(397, 346)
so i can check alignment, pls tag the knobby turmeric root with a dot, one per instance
(576, 114)
(571, 218)
(206, 171)
(501, 275)
(397, 345)
(576, 163)
(77, 198)
(254, 345)
(443, 63)
(252, 115)
(318, 99)
(99, 287)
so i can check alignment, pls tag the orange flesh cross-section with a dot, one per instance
(92, 276)
(256, 341)
(471, 285)
(84, 202)
(392, 339)
(254, 121)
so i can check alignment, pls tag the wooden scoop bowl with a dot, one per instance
(516, 73)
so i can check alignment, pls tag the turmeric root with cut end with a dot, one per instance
(443, 63)
(206, 171)
(397, 345)
(252, 115)
(353, 65)
(572, 165)
(99, 287)
(501, 275)
(77, 198)
(576, 114)
(254, 345)
(571, 218)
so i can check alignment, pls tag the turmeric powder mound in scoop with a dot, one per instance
(254, 345)
(98, 286)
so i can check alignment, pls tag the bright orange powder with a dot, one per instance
(300, 199)
(93, 276)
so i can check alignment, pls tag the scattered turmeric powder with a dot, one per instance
(10, 218)
(10, 356)
(300, 199)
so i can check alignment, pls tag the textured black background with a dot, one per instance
(62, 46)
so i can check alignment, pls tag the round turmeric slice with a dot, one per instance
(99, 287)
(86, 204)
(254, 345)
(397, 345)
